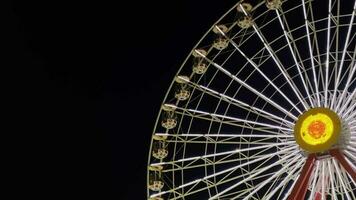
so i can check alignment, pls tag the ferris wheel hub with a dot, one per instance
(317, 130)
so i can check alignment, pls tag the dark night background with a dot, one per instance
(88, 79)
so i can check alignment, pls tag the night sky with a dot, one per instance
(88, 80)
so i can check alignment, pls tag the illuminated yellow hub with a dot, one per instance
(317, 130)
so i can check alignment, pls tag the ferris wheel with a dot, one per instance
(264, 107)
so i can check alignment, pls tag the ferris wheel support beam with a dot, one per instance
(301, 186)
(287, 36)
(311, 53)
(263, 74)
(343, 55)
(247, 86)
(341, 158)
(277, 62)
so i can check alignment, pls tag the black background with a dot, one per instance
(87, 81)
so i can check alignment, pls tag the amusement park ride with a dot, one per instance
(264, 107)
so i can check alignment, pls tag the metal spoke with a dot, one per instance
(224, 118)
(196, 158)
(230, 169)
(331, 175)
(248, 86)
(250, 177)
(283, 170)
(233, 101)
(327, 56)
(311, 52)
(264, 75)
(287, 36)
(337, 169)
(343, 54)
(277, 62)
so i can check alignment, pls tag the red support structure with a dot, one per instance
(336, 153)
(301, 186)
